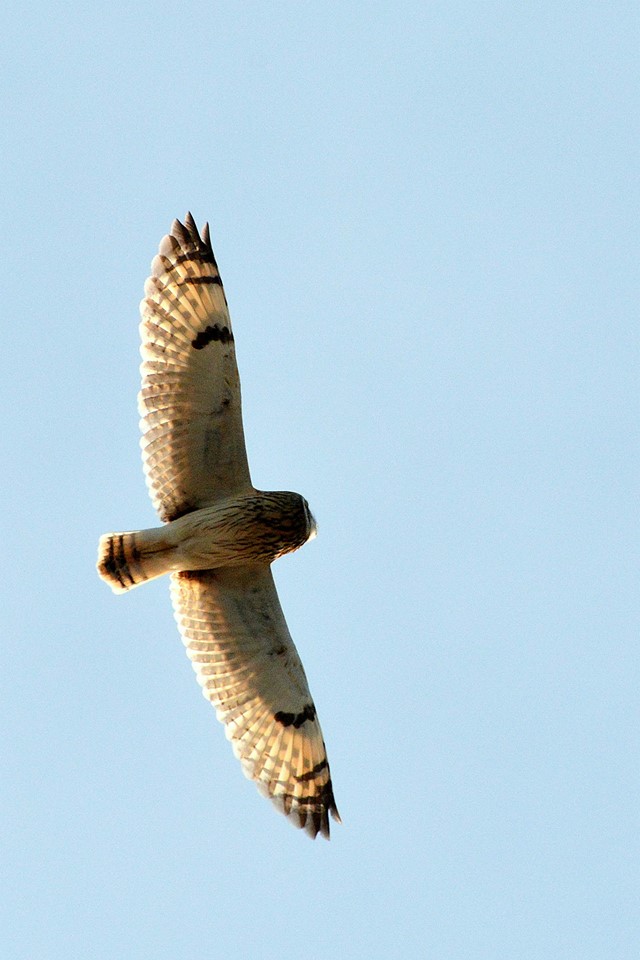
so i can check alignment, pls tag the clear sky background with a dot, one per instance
(425, 218)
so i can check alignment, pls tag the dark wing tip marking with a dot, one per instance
(313, 810)
(190, 240)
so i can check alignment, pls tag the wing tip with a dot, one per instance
(190, 238)
(310, 812)
(315, 818)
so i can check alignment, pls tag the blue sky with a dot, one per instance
(425, 218)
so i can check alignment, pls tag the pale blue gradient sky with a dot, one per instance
(425, 217)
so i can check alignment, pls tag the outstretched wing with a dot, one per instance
(237, 639)
(193, 442)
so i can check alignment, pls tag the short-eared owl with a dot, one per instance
(220, 534)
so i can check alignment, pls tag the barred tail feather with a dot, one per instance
(127, 559)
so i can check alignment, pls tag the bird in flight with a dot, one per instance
(219, 534)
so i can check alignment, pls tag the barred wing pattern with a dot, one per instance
(193, 441)
(236, 636)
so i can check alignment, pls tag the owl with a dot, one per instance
(219, 535)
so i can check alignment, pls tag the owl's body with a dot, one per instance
(220, 534)
(257, 527)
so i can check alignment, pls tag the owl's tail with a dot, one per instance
(127, 559)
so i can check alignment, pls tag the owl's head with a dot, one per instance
(312, 526)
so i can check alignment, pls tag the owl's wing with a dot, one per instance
(192, 438)
(236, 636)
